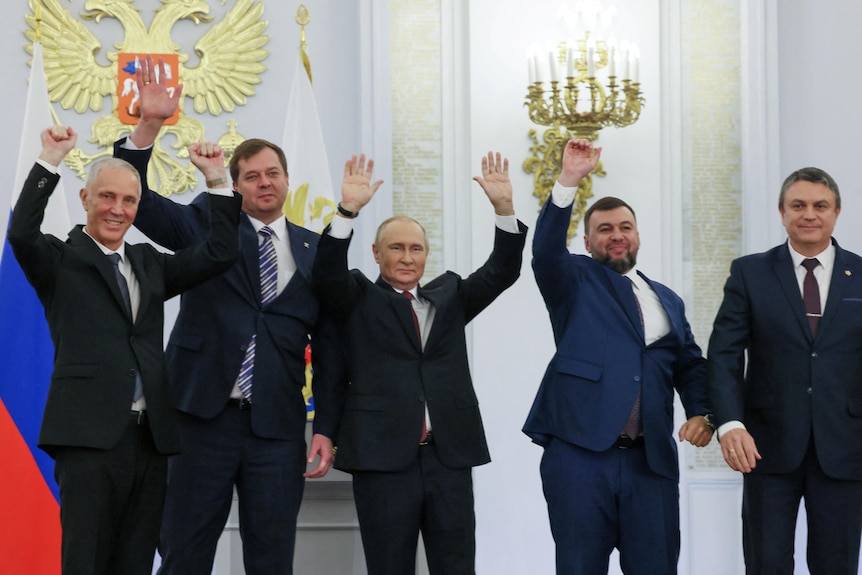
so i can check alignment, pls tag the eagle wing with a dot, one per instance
(230, 60)
(69, 50)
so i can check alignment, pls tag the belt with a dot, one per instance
(626, 442)
(140, 417)
(239, 402)
(429, 439)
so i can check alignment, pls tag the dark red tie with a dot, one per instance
(410, 297)
(811, 295)
(632, 426)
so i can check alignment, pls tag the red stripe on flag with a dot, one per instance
(30, 519)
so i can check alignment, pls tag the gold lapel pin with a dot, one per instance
(848, 273)
(305, 244)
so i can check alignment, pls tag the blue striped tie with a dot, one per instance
(268, 264)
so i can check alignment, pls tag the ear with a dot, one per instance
(587, 244)
(83, 195)
(376, 253)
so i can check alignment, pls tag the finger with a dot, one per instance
(369, 169)
(485, 165)
(349, 165)
(161, 77)
(499, 162)
(506, 166)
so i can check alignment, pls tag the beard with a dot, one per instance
(622, 265)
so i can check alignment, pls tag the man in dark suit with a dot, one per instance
(411, 430)
(604, 411)
(109, 422)
(236, 358)
(791, 419)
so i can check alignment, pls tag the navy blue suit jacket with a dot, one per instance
(794, 385)
(601, 359)
(218, 318)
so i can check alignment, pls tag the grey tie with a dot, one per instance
(124, 290)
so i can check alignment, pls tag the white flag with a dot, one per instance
(37, 117)
(310, 201)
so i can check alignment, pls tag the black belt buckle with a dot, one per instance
(140, 417)
(626, 442)
(429, 439)
(239, 402)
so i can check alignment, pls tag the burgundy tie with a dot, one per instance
(632, 426)
(410, 297)
(811, 295)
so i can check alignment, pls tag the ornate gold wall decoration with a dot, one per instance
(230, 54)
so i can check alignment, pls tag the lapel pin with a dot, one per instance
(848, 273)
(305, 244)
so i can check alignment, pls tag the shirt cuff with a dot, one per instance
(128, 144)
(47, 166)
(563, 196)
(508, 224)
(729, 426)
(341, 228)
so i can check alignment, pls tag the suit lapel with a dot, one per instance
(135, 256)
(90, 251)
(400, 307)
(783, 270)
(248, 247)
(841, 274)
(621, 288)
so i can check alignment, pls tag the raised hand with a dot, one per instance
(356, 187)
(579, 159)
(496, 183)
(158, 102)
(209, 159)
(57, 141)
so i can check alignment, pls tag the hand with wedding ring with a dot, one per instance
(739, 450)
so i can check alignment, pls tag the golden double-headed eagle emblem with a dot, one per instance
(230, 56)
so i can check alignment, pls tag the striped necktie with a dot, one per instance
(268, 263)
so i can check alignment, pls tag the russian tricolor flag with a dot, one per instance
(30, 518)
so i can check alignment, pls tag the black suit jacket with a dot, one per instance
(98, 350)
(794, 386)
(218, 318)
(391, 377)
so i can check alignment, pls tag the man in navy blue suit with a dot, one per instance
(791, 420)
(236, 360)
(604, 411)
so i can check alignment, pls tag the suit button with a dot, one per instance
(132, 339)
(243, 347)
(637, 378)
(814, 354)
(131, 373)
(809, 391)
(42, 183)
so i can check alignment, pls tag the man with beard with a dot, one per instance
(604, 411)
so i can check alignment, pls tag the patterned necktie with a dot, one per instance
(410, 297)
(268, 264)
(811, 295)
(632, 427)
(127, 300)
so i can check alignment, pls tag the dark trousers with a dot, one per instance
(219, 455)
(770, 505)
(111, 504)
(393, 507)
(601, 501)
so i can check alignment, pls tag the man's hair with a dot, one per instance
(106, 163)
(813, 175)
(388, 221)
(603, 205)
(249, 148)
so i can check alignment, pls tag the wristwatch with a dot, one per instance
(710, 420)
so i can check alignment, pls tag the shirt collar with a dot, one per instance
(278, 227)
(106, 250)
(826, 257)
